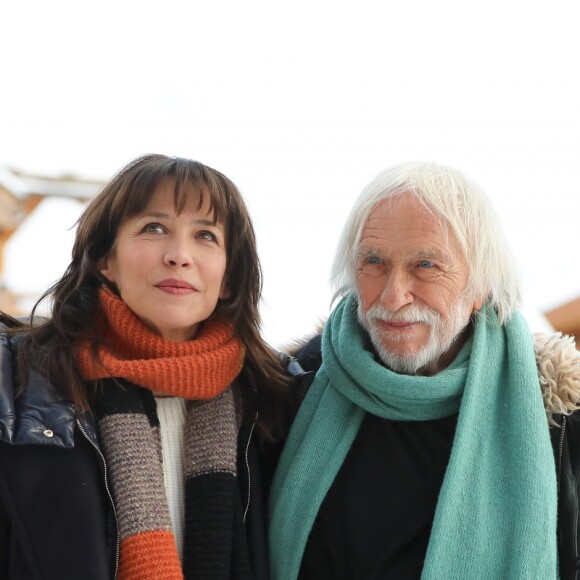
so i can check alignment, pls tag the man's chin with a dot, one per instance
(399, 351)
(406, 359)
(400, 361)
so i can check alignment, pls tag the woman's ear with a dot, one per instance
(105, 269)
(224, 291)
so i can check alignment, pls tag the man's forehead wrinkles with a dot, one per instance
(370, 236)
(383, 230)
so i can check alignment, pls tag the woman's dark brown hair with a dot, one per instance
(50, 348)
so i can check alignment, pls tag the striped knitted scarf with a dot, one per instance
(201, 371)
(496, 512)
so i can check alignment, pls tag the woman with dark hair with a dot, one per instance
(130, 418)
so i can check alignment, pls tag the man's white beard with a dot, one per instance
(442, 333)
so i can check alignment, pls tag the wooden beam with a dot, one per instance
(566, 318)
(4, 237)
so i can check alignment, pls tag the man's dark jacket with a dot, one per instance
(559, 372)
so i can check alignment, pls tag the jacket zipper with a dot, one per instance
(560, 454)
(82, 430)
(248, 467)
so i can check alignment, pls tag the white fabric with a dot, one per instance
(171, 413)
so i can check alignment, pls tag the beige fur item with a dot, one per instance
(559, 373)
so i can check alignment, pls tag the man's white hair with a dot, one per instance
(461, 205)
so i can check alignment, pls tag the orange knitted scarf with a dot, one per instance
(201, 369)
(197, 369)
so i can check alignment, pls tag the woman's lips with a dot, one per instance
(172, 286)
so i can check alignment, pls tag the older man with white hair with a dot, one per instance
(422, 448)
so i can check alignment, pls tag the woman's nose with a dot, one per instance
(178, 254)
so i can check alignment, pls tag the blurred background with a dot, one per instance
(300, 104)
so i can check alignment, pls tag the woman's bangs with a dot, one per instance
(206, 191)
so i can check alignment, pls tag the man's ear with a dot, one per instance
(478, 303)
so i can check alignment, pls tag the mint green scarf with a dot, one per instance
(496, 513)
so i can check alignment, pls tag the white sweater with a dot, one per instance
(171, 413)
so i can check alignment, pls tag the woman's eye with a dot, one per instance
(374, 260)
(153, 229)
(208, 236)
(426, 264)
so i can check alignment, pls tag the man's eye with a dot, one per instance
(153, 229)
(426, 264)
(374, 260)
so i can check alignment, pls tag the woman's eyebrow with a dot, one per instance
(162, 215)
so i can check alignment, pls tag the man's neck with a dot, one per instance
(447, 357)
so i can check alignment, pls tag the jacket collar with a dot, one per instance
(39, 415)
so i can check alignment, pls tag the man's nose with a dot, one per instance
(398, 290)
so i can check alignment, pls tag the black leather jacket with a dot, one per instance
(566, 444)
(57, 516)
(49, 459)
(565, 438)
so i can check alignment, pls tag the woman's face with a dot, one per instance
(168, 268)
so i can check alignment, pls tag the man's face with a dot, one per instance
(412, 287)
